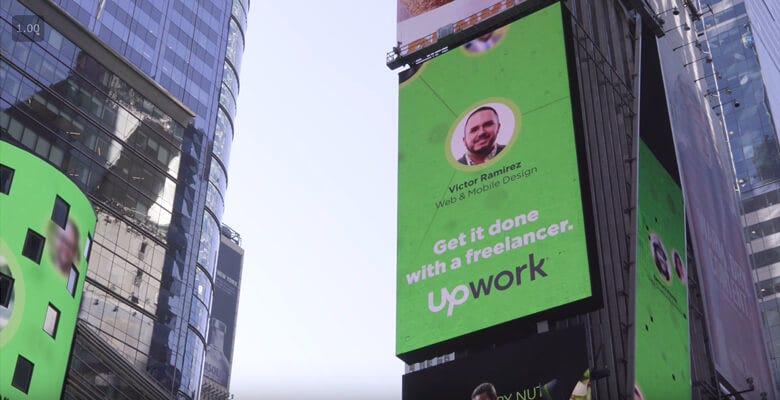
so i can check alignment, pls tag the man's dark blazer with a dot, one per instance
(463, 161)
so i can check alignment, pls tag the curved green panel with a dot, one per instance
(662, 364)
(28, 206)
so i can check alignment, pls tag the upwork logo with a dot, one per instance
(458, 296)
(500, 281)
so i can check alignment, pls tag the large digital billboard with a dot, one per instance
(716, 230)
(662, 361)
(491, 222)
(46, 225)
(560, 372)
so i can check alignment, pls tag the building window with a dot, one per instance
(33, 246)
(60, 213)
(6, 176)
(6, 288)
(88, 247)
(73, 280)
(52, 321)
(22, 374)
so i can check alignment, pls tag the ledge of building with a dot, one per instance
(92, 45)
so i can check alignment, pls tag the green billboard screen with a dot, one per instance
(662, 363)
(46, 225)
(491, 226)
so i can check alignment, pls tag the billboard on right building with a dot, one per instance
(715, 229)
(662, 368)
(224, 309)
(494, 219)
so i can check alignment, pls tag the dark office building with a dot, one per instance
(224, 311)
(136, 106)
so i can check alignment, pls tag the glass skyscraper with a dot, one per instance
(135, 101)
(744, 41)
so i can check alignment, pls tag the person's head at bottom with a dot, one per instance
(485, 391)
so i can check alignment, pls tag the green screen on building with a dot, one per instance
(662, 363)
(46, 225)
(491, 226)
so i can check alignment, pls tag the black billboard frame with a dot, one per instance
(475, 366)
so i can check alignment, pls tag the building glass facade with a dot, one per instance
(764, 17)
(157, 179)
(743, 83)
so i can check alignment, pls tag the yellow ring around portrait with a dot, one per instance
(508, 146)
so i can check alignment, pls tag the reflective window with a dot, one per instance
(226, 100)
(60, 212)
(217, 176)
(230, 78)
(6, 289)
(235, 45)
(6, 177)
(203, 288)
(199, 316)
(150, 194)
(111, 122)
(41, 65)
(33, 246)
(761, 201)
(209, 243)
(130, 329)
(193, 365)
(125, 278)
(22, 374)
(239, 13)
(766, 257)
(223, 137)
(51, 321)
(214, 200)
(10, 82)
(88, 246)
(752, 136)
(73, 280)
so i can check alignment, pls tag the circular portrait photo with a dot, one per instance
(485, 42)
(483, 133)
(679, 266)
(660, 257)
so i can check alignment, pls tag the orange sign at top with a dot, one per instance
(421, 23)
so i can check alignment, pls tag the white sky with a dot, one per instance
(312, 191)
